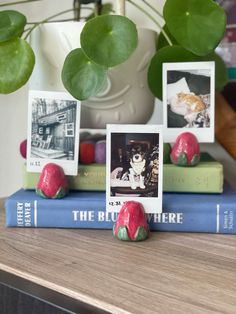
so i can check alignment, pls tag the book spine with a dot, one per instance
(210, 218)
(89, 178)
(206, 217)
(201, 179)
(175, 179)
(58, 214)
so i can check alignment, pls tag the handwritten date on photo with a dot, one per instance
(115, 203)
(35, 163)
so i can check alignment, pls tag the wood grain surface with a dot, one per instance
(168, 273)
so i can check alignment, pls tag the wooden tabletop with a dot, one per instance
(168, 273)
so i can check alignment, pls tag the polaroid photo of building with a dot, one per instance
(53, 131)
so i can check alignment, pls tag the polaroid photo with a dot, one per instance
(134, 166)
(189, 100)
(53, 131)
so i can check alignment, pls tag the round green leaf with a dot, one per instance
(197, 25)
(179, 54)
(16, 64)
(166, 54)
(82, 77)
(109, 40)
(221, 72)
(12, 24)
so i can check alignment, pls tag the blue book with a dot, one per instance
(213, 213)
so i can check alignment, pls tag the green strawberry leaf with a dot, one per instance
(179, 54)
(16, 64)
(109, 40)
(40, 193)
(60, 193)
(197, 25)
(122, 234)
(182, 160)
(12, 24)
(141, 234)
(82, 77)
(195, 160)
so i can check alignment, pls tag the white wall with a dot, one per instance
(13, 107)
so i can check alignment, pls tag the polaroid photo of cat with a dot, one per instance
(53, 131)
(189, 100)
(134, 166)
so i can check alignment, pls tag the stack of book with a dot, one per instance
(194, 201)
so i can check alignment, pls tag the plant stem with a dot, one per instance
(154, 9)
(17, 2)
(46, 20)
(154, 20)
(76, 6)
(98, 7)
(26, 30)
(54, 21)
(120, 4)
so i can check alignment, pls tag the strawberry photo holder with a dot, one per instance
(131, 224)
(52, 182)
(186, 150)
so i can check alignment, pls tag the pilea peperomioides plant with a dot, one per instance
(16, 56)
(192, 31)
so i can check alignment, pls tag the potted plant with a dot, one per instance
(192, 31)
(125, 88)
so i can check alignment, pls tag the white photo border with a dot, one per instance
(204, 135)
(35, 164)
(150, 204)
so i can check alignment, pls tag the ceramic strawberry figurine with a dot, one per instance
(23, 148)
(186, 150)
(52, 182)
(131, 224)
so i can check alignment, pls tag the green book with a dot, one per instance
(89, 178)
(206, 177)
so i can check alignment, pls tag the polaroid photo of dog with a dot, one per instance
(134, 157)
(189, 100)
(53, 131)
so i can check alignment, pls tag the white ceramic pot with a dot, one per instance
(126, 99)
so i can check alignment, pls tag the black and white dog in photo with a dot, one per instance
(136, 165)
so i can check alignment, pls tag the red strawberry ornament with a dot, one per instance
(131, 224)
(52, 182)
(186, 150)
(23, 148)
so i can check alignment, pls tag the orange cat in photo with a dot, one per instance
(187, 105)
(193, 101)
